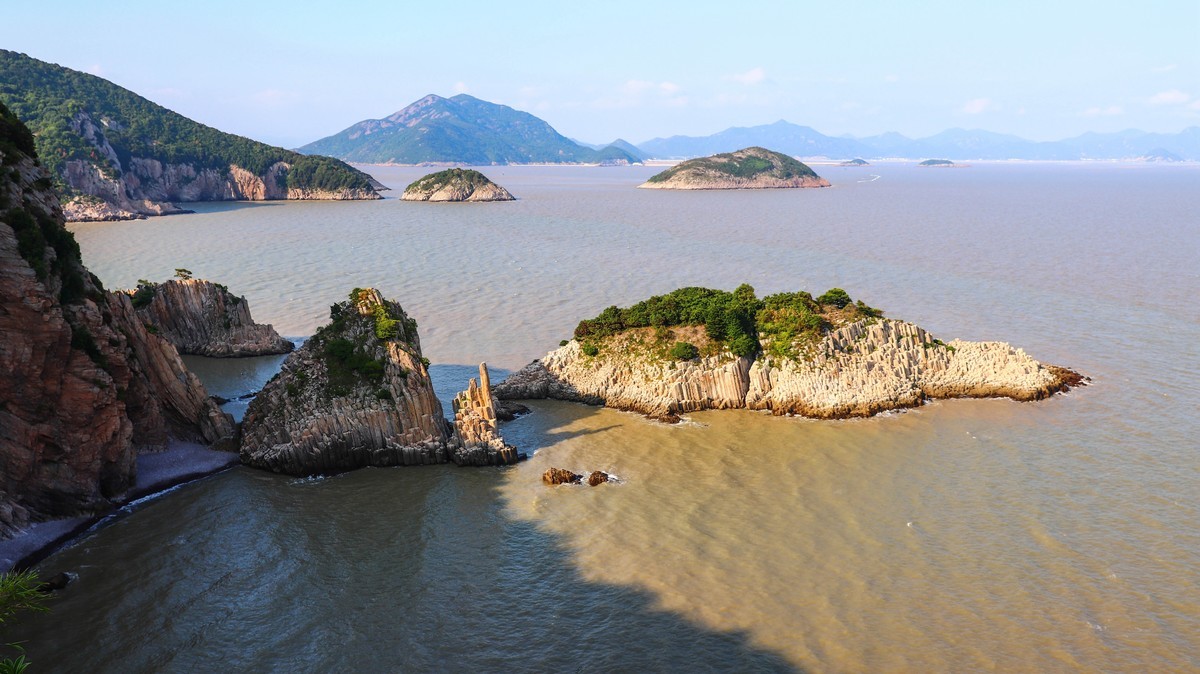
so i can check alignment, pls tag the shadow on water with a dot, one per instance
(404, 569)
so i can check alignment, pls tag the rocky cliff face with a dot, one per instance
(204, 318)
(147, 187)
(748, 169)
(857, 370)
(83, 385)
(358, 394)
(456, 185)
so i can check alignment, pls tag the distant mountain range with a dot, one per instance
(803, 141)
(461, 130)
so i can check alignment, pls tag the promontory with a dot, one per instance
(748, 169)
(824, 357)
(456, 184)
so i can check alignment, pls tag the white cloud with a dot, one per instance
(95, 69)
(1195, 105)
(1097, 111)
(976, 106)
(460, 87)
(1165, 69)
(750, 77)
(1170, 97)
(668, 88)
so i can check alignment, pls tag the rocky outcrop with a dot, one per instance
(554, 476)
(83, 385)
(456, 184)
(860, 369)
(358, 394)
(748, 169)
(475, 420)
(598, 477)
(203, 318)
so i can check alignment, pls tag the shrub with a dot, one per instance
(684, 351)
(591, 350)
(835, 297)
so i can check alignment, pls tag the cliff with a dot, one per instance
(475, 420)
(204, 318)
(116, 155)
(849, 362)
(455, 185)
(356, 394)
(83, 386)
(751, 168)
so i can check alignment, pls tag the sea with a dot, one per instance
(965, 535)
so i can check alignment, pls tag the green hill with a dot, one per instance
(750, 168)
(104, 141)
(460, 130)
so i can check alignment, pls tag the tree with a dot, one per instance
(183, 274)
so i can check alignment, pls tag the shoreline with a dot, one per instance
(158, 472)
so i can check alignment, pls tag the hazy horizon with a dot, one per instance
(290, 75)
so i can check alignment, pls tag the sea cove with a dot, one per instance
(963, 535)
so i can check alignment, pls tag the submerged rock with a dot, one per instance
(203, 318)
(748, 169)
(455, 185)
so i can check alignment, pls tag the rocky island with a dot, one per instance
(203, 318)
(826, 357)
(358, 394)
(855, 162)
(84, 386)
(456, 184)
(937, 162)
(748, 169)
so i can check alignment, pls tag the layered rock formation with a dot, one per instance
(751, 168)
(475, 420)
(455, 185)
(203, 318)
(83, 385)
(860, 369)
(358, 394)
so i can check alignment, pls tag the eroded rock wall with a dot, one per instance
(477, 427)
(204, 318)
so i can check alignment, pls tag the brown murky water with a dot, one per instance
(967, 535)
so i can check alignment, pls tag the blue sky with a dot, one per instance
(291, 72)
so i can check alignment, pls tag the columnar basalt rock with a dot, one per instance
(83, 385)
(860, 369)
(203, 318)
(475, 420)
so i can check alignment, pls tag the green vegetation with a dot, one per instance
(748, 163)
(936, 162)
(684, 351)
(184, 274)
(144, 295)
(15, 138)
(436, 181)
(57, 102)
(349, 359)
(19, 593)
(461, 129)
(737, 321)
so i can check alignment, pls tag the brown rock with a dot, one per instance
(475, 420)
(555, 476)
(203, 318)
(598, 477)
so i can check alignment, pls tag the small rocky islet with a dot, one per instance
(752, 168)
(455, 185)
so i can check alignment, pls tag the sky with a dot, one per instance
(289, 73)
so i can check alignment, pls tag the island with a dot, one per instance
(456, 184)
(358, 394)
(1160, 154)
(937, 162)
(750, 168)
(855, 162)
(825, 357)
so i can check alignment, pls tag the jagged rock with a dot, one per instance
(555, 476)
(475, 423)
(83, 385)
(204, 318)
(356, 394)
(860, 369)
(455, 185)
(507, 410)
(598, 477)
(58, 582)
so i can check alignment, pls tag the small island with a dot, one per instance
(857, 161)
(1160, 154)
(456, 184)
(825, 357)
(749, 169)
(937, 162)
